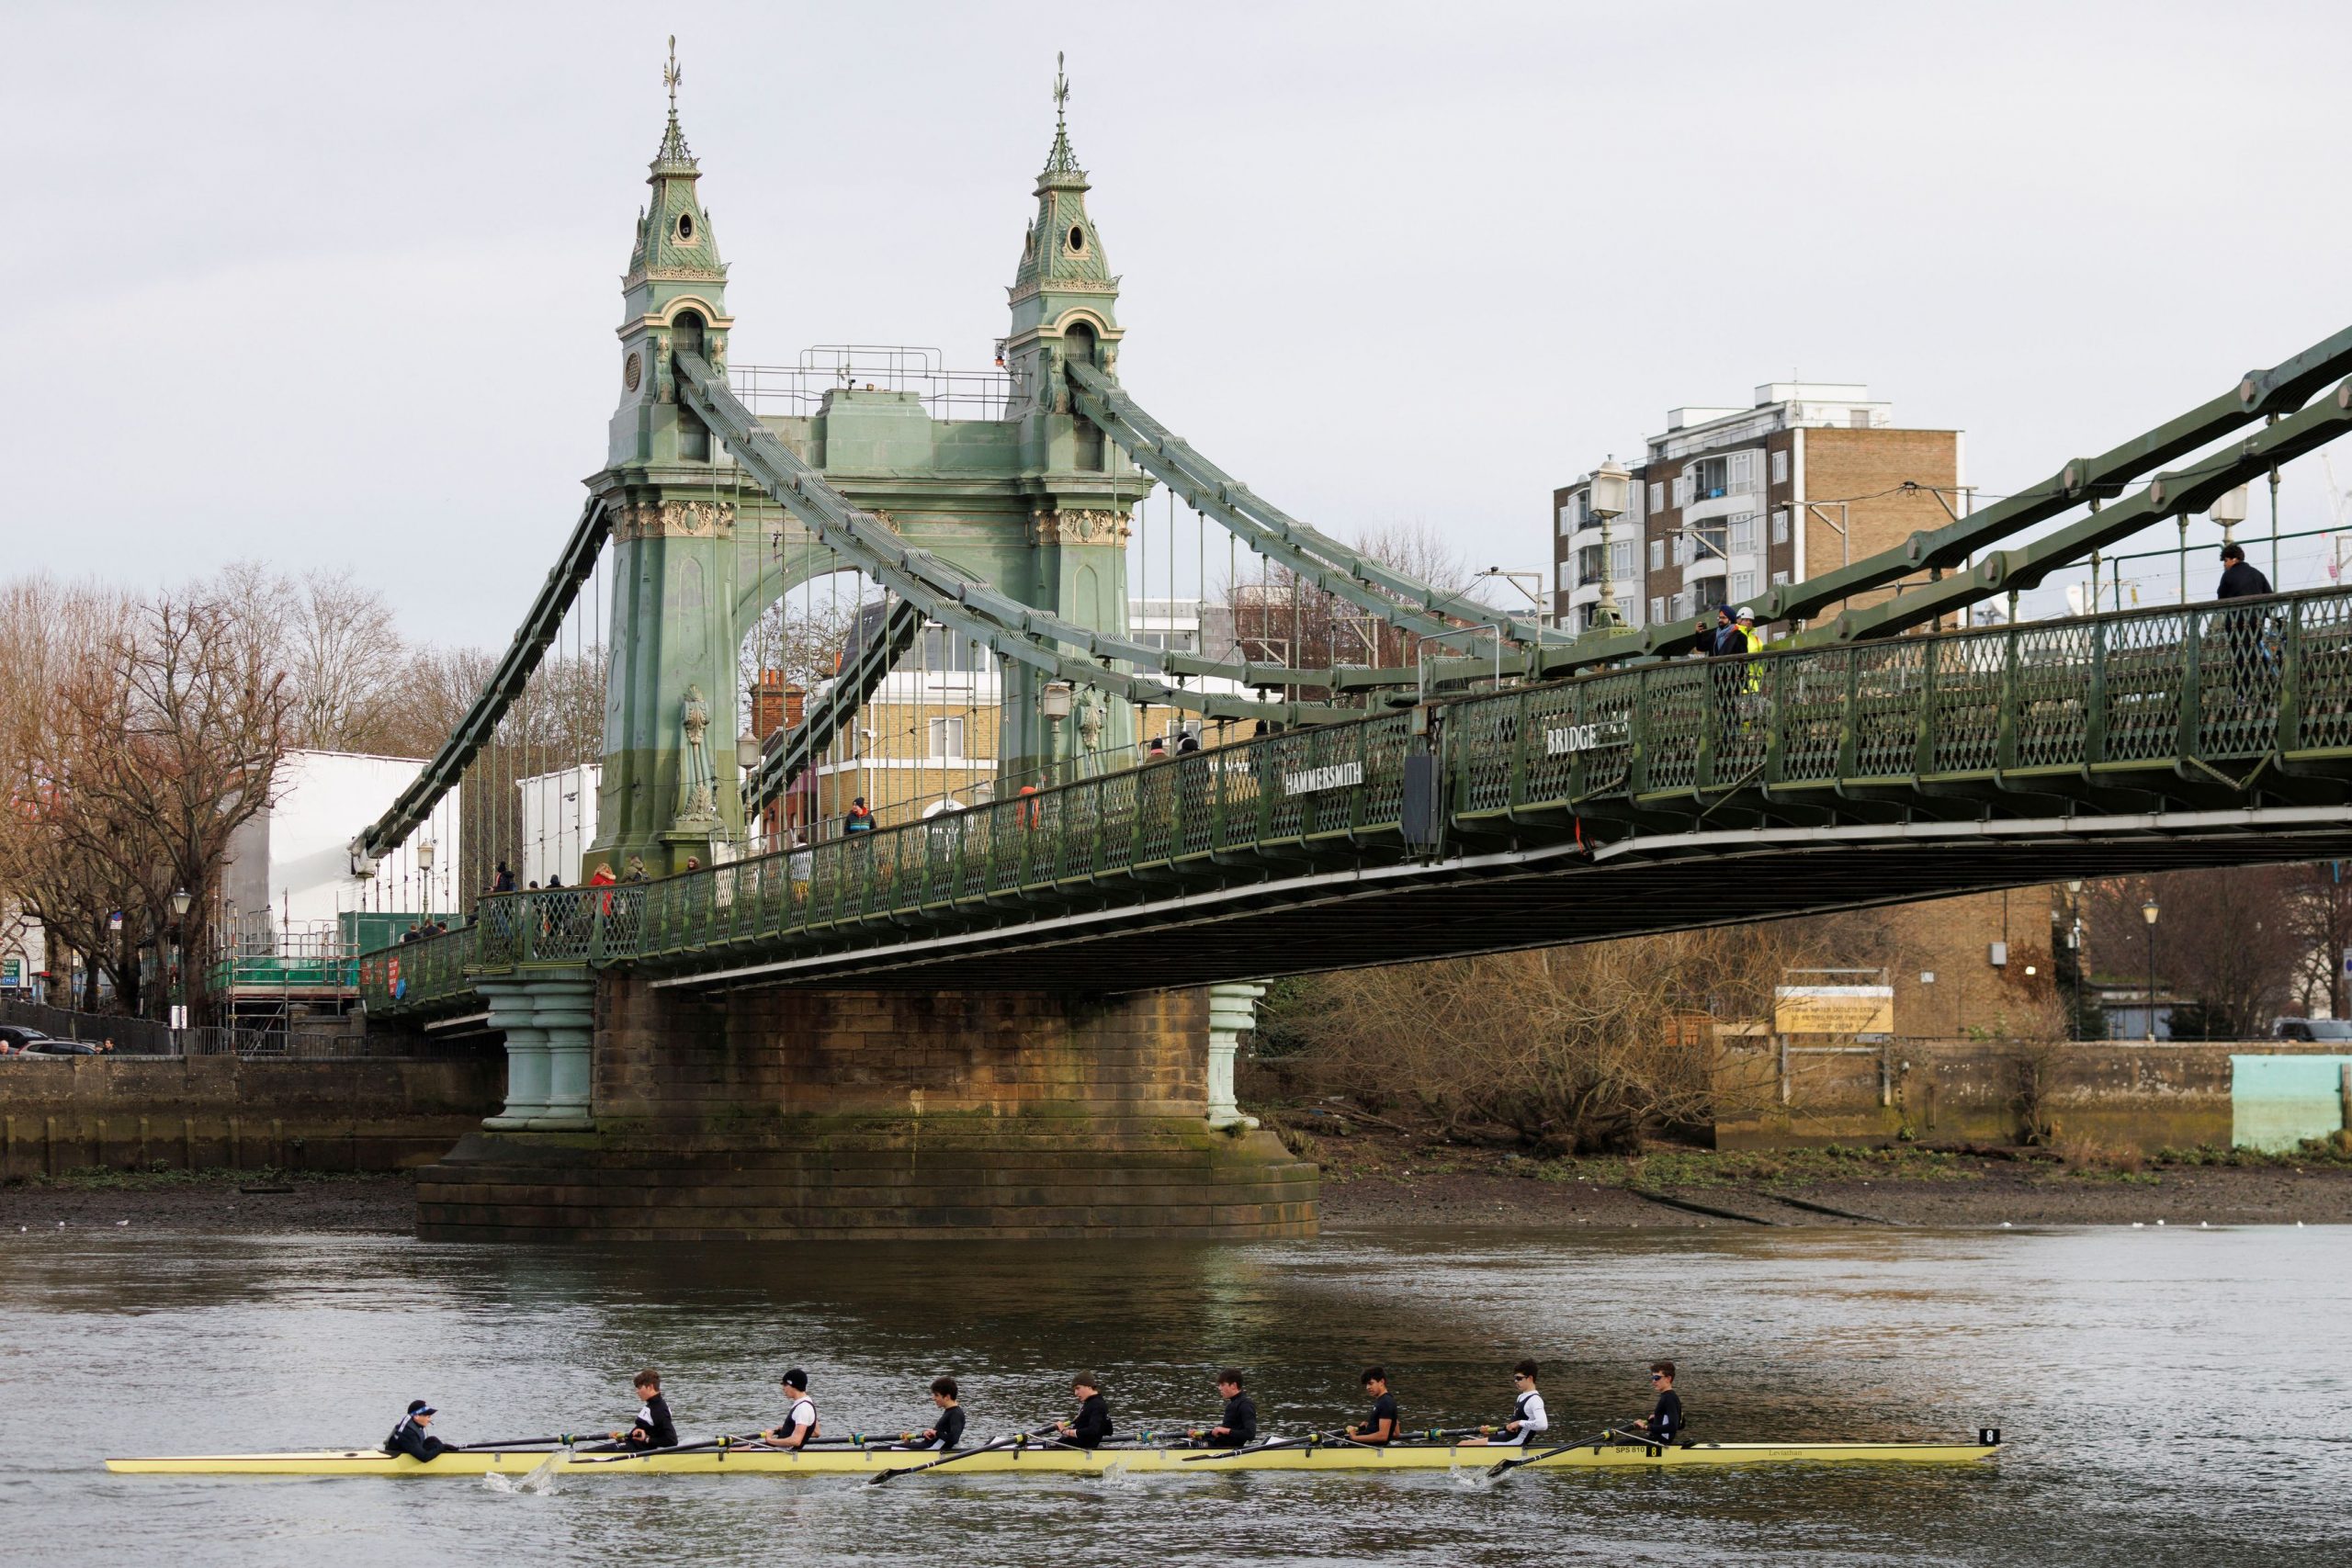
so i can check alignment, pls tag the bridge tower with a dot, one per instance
(670, 707)
(1079, 490)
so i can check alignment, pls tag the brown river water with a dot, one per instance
(2168, 1396)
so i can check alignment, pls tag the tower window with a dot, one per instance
(1077, 239)
(685, 228)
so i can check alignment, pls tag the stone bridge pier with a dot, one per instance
(791, 1114)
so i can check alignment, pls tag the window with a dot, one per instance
(1568, 520)
(1620, 558)
(1743, 471)
(1711, 478)
(1588, 565)
(1743, 585)
(1779, 580)
(1779, 467)
(948, 738)
(1657, 498)
(1742, 534)
(1781, 524)
(1682, 550)
(1658, 609)
(1657, 555)
(1683, 492)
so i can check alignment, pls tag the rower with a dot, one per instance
(948, 1430)
(413, 1438)
(1093, 1423)
(799, 1422)
(1664, 1423)
(653, 1428)
(1527, 1417)
(1380, 1426)
(1238, 1428)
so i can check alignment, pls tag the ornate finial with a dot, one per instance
(1062, 160)
(676, 156)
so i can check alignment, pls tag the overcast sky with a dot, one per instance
(336, 285)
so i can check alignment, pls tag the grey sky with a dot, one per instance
(337, 286)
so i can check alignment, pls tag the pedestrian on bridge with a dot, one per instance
(860, 818)
(2247, 631)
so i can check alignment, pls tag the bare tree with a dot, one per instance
(1571, 1049)
(2227, 943)
(1282, 617)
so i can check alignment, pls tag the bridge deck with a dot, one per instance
(1604, 806)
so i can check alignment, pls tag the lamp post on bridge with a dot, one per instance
(2148, 912)
(747, 757)
(1053, 704)
(1611, 489)
(424, 857)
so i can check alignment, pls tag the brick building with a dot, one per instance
(1729, 502)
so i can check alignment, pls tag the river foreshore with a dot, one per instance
(1667, 1190)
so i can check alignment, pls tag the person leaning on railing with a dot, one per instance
(2243, 631)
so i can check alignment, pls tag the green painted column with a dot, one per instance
(564, 1011)
(1233, 1013)
(512, 1013)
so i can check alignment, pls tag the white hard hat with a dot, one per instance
(1744, 613)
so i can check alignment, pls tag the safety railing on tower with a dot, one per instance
(2194, 705)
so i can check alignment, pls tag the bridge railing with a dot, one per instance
(2199, 691)
(2207, 694)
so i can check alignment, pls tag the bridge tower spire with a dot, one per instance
(1079, 489)
(671, 709)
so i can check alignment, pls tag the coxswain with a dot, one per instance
(1238, 1428)
(1093, 1422)
(653, 1427)
(1380, 1426)
(413, 1438)
(1527, 1417)
(800, 1423)
(948, 1430)
(1664, 1423)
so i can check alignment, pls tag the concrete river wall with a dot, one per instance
(201, 1112)
(2270, 1094)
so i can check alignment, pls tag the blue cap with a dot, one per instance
(418, 1408)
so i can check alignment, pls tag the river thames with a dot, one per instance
(2167, 1395)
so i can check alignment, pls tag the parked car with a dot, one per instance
(20, 1036)
(2338, 1028)
(48, 1047)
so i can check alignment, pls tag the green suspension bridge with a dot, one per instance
(1512, 786)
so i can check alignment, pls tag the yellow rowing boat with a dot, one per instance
(1049, 1460)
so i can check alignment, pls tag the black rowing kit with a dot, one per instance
(1666, 1421)
(1093, 1423)
(413, 1440)
(948, 1430)
(1240, 1422)
(653, 1420)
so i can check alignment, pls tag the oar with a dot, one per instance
(563, 1441)
(1308, 1441)
(879, 1476)
(1501, 1466)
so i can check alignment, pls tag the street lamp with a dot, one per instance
(1611, 489)
(424, 873)
(2074, 944)
(180, 902)
(2148, 912)
(1053, 703)
(747, 757)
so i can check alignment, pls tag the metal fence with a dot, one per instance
(2205, 697)
(334, 1040)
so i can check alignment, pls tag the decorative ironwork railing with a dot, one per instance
(2204, 697)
